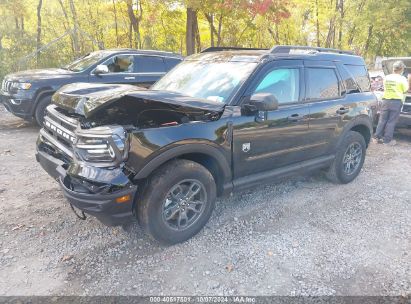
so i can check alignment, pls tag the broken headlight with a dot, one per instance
(102, 145)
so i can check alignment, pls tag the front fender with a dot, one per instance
(150, 148)
(180, 149)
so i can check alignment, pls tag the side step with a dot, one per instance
(291, 170)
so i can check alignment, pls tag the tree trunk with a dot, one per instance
(68, 24)
(220, 24)
(331, 30)
(317, 23)
(38, 40)
(191, 31)
(130, 35)
(75, 30)
(341, 9)
(115, 22)
(367, 42)
(135, 21)
(213, 31)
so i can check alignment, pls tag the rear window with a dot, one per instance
(149, 64)
(360, 75)
(322, 84)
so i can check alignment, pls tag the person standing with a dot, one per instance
(395, 86)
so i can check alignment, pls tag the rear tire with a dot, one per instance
(164, 209)
(40, 110)
(348, 160)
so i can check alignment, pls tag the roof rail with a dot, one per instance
(281, 49)
(228, 48)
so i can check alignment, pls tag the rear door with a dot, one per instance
(171, 62)
(148, 69)
(326, 100)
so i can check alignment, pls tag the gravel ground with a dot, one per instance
(304, 236)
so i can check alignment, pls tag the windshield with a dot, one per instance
(209, 80)
(85, 62)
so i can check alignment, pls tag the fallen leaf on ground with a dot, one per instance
(67, 258)
(19, 226)
(229, 267)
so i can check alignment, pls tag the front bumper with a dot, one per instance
(103, 206)
(19, 107)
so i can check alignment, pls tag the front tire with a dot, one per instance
(40, 110)
(349, 159)
(177, 201)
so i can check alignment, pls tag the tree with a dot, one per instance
(38, 40)
(135, 21)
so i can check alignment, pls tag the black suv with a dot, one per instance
(27, 94)
(220, 121)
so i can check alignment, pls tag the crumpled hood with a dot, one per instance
(85, 99)
(30, 75)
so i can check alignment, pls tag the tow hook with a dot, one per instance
(81, 216)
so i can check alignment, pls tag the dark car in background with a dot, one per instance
(26, 94)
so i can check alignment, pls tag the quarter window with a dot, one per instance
(149, 64)
(322, 84)
(360, 75)
(284, 84)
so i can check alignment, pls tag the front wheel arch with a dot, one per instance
(192, 152)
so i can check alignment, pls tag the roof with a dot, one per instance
(279, 52)
(143, 52)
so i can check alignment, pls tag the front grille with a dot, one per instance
(6, 85)
(60, 127)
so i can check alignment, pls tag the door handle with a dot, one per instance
(343, 110)
(129, 77)
(295, 117)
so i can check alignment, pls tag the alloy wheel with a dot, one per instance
(184, 204)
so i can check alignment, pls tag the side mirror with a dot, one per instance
(264, 102)
(101, 69)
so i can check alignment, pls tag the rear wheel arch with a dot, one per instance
(361, 125)
(364, 131)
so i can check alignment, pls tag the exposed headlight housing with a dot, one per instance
(21, 85)
(102, 146)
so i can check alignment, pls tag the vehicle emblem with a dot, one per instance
(246, 147)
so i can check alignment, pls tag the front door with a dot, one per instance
(273, 139)
(140, 70)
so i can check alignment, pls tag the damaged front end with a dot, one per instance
(89, 166)
(85, 141)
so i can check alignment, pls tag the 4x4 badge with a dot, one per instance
(246, 147)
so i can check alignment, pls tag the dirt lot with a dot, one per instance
(304, 236)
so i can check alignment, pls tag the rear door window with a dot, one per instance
(149, 64)
(322, 83)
